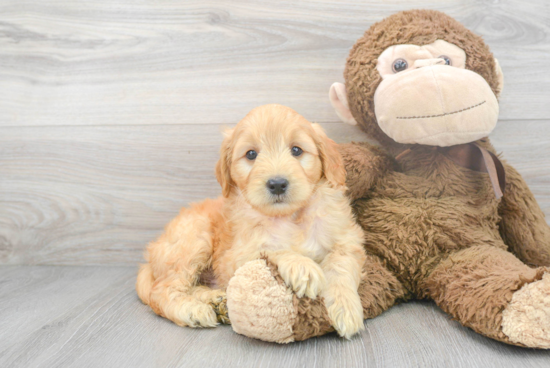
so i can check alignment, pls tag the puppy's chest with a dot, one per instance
(307, 234)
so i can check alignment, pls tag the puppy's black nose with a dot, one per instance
(277, 185)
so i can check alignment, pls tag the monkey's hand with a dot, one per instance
(523, 226)
(364, 164)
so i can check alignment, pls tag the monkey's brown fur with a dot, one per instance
(435, 226)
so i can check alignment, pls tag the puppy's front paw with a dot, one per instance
(302, 275)
(345, 311)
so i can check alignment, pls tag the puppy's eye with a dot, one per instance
(399, 65)
(446, 58)
(251, 155)
(296, 151)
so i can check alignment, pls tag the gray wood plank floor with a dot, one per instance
(91, 317)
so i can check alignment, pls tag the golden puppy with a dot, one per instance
(283, 186)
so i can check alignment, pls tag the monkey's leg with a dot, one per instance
(380, 289)
(492, 292)
(263, 307)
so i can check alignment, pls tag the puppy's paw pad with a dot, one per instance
(526, 320)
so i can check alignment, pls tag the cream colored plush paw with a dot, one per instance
(526, 320)
(345, 311)
(259, 306)
(302, 275)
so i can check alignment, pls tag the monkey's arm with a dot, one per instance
(522, 226)
(364, 165)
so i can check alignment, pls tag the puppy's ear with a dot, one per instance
(223, 167)
(333, 165)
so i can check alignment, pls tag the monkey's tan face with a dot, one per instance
(427, 97)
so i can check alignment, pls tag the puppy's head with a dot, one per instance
(276, 158)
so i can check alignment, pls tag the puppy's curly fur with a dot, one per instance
(308, 230)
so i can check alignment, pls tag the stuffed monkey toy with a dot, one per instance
(444, 218)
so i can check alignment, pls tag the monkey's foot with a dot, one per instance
(526, 320)
(261, 306)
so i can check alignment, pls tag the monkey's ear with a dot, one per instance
(498, 72)
(339, 100)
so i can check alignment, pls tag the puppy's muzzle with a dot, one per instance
(277, 186)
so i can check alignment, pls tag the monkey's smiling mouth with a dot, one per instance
(440, 115)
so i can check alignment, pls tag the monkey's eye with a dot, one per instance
(251, 155)
(296, 151)
(399, 65)
(446, 58)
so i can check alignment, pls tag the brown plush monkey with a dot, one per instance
(444, 218)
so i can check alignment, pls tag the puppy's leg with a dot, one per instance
(300, 273)
(208, 295)
(342, 268)
(171, 297)
(176, 261)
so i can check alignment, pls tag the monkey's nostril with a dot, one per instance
(277, 185)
